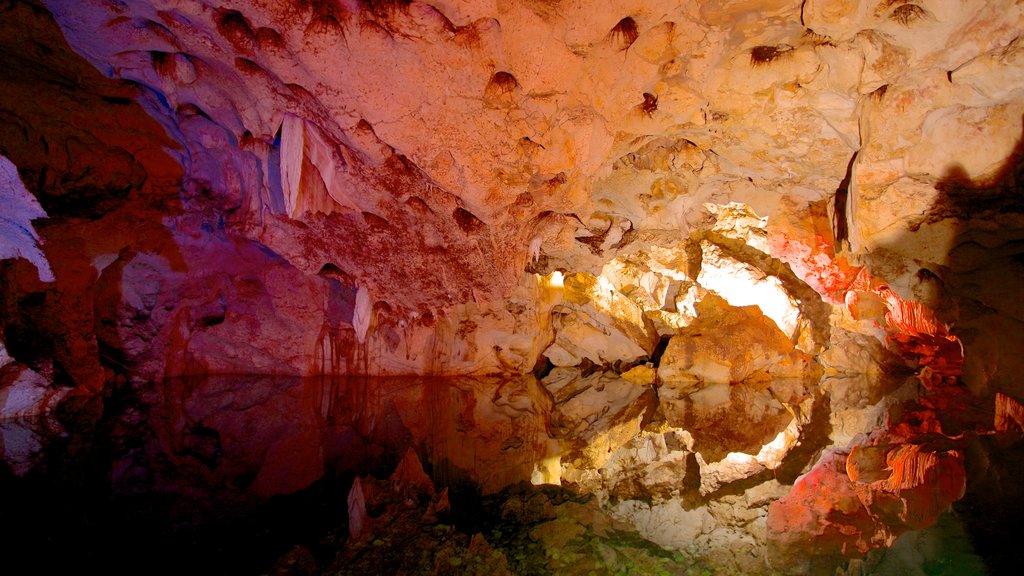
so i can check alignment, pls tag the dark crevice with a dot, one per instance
(840, 225)
(467, 221)
(659, 349)
(625, 32)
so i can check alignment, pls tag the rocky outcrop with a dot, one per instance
(596, 414)
(597, 323)
(19, 238)
(28, 422)
(729, 344)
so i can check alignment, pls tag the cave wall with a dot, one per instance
(364, 187)
(519, 136)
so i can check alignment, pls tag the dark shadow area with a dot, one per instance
(119, 492)
(976, 292)
(840, 227)
(227, 474)
(985, 279)
(99, 165)
(82, 143)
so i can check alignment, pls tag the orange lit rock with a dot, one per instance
(596, 414)
(822, 519)
(1009, 414)
(728, 344)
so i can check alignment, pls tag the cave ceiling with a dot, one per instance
(422, 148)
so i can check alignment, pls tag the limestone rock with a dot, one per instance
(19, 238)
(743, 285)
(25, 394)
(641, 375)
(865, 498)
(27, 422)
(727, 418)
(651, 466)
(822, 507)
(805, 237)
(729, 344)
(409, 479)
(596, 322)
(1009, 413)
(738, 222)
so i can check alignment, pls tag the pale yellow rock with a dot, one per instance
(596, 414)
(995, 75)
(840, 19)
(754, 348)
(596, 321)
(641, 375)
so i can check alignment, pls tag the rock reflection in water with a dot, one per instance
(223, 474)
(270, 435)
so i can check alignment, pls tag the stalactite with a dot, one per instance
(910, 466)
(912, 318)
(362, 314)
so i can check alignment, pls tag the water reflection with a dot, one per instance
(262, 436)
(189, 467)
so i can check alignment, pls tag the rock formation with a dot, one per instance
(729, 256)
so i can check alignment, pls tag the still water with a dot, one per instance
(224, 474)
(250, 475)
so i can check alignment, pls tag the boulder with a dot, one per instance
(598, 323)
(731, 344)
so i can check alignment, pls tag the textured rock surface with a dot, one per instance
(401, 187)
(597, 323)
(729, 344)
(596, 414)
(17, 237)
(472, 176)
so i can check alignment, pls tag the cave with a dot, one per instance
(519, 287)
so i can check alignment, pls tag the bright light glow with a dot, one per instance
(739, 458)
(772, 453)
(738, 220)
(743, 285)
(547, 471)
(556, 279)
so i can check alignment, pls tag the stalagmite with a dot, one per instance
(357, 515)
